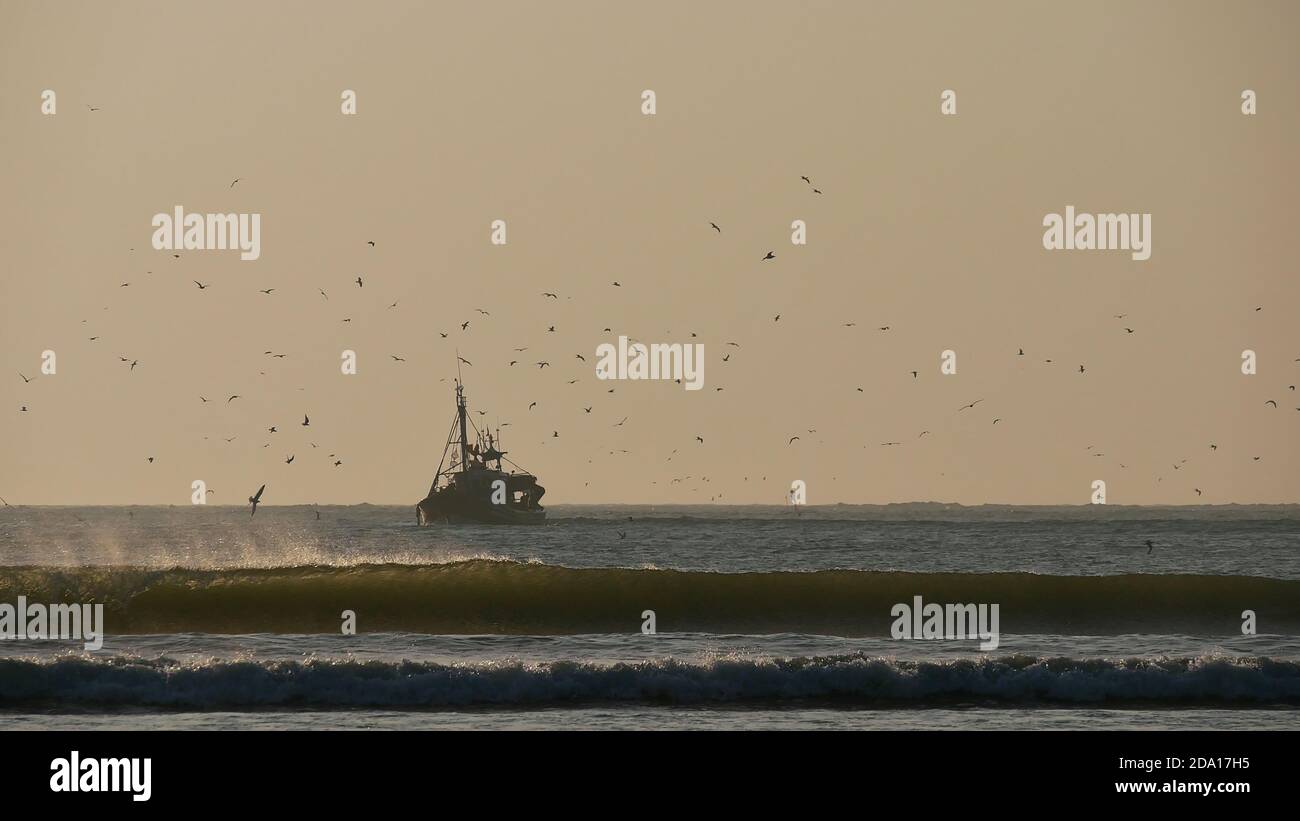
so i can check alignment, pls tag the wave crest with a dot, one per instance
(855, 680)
(482, 596)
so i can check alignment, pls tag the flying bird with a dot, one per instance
(255, 500)
(715, 227)
(770, 255)
(200, 284)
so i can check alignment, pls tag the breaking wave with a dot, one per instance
(485, 596)
(851, 680)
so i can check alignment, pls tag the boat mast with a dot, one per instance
(460, 413)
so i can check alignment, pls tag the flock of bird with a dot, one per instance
(482, 315)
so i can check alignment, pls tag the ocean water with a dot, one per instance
(765, 617)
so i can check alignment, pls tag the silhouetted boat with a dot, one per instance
(475, 487)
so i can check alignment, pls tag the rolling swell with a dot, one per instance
(851, 680)
(484, 596)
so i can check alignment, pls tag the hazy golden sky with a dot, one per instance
(531, 113)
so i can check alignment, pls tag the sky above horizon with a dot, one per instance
(924, 235)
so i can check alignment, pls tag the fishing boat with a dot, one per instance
(475, 486)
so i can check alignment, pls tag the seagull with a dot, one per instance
(305, 420)
(770, 255)
(25, 379)
(232, 185)
(322, 293)
(272, 429)
(541, 365)
(715, 227)
(397, 358)
(793, 439)
(1272, 402)
(200, 284)
(267, 291)
(360, 284)
(464, 325)
(971, 405)
(1150, 546)
(551, 295)
(370, 242)
(289, 461)
(700, 439)
(255, 500)
(466, 361)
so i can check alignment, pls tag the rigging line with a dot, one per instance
(438, 475)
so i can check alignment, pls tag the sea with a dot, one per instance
(656, 617)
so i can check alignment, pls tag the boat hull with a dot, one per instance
(435, 510)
